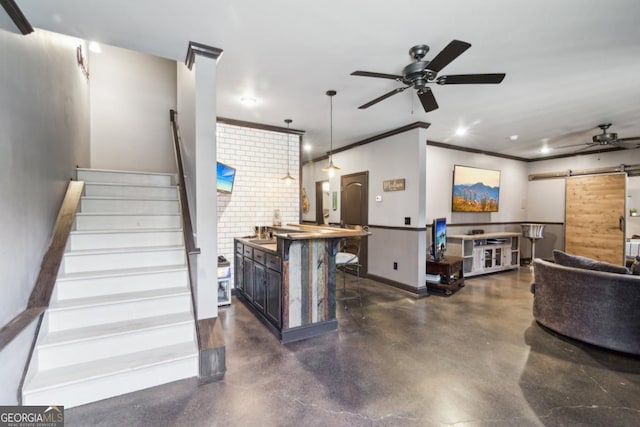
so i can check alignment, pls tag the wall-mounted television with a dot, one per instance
(439, 238)
(225, 177)
(475, 189)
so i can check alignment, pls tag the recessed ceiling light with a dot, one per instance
(307, 147)
(545, 149)
(513, 137)
(461, 131)
(248, 100)
(95, 47)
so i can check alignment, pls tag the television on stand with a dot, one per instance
(438, 238)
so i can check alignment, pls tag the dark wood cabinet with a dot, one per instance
(258, 280)
(248, 278)
(273, 296)
(259, 283)
(238, 270)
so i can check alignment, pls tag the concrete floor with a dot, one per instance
(476, 358)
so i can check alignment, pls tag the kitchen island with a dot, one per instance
(289, 282)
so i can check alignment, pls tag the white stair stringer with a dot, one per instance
(121, 316)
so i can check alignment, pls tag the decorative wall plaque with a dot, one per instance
(393, 185)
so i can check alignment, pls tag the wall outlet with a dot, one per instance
(407, 220)
(395, 265)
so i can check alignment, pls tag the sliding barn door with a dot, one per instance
(594, 217)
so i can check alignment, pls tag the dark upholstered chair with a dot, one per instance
(596, 307)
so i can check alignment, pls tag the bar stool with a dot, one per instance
(348, 260)
(532, 232)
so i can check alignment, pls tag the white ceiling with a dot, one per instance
(569, 64)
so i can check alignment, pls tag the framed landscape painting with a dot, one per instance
(475, 189)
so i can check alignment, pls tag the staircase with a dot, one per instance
(120, 317)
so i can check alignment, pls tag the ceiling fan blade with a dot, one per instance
(428, 100)
(574, 145)
(454, 49)
(379, 75)
(383, 97)
(630, 139)
(586, 147)
(460, 79)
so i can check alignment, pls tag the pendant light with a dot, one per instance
(288, 178)
(331, 168)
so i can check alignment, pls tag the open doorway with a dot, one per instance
(322, 202)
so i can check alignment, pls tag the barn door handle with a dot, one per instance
(621, 223)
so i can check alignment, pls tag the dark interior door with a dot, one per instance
(319, 205)
(354, 207)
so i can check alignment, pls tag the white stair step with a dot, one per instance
(69, 314)
(116, 259)
(88, 382)
(96, 283)
(105, 239)
(125, 177)
(130, 190)
(132, 206)
(125, 221)
(80, 345)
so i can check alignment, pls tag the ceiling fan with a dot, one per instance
(607, 138)
(420, 73)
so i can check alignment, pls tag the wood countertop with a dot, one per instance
(305, 232)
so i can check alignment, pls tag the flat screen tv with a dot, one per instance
(225, 177)
(475, 189)
(439, 238)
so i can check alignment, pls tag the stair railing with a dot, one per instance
(41, 294)
(187, 228)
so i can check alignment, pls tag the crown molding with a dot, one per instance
(252, 125)
(17, 16)
(202, 50)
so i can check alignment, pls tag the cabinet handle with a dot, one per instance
(621, 223)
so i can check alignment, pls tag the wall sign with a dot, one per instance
(393, 185)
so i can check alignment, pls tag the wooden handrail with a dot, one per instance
(53, 258)
(187, 228)
(43, 288)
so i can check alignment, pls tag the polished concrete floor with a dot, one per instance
(476, 358)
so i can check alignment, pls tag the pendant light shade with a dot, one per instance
(331, 168)
(288, 178)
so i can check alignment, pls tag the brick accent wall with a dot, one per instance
(260, 160)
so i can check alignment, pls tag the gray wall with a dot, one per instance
(398, 156)
(131, 95)
(44, 125)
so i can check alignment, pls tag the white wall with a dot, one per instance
(260, 160)
(44, 124)
(131, 95)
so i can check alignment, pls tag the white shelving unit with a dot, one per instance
(485, 253)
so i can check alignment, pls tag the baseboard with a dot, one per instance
(416, 292)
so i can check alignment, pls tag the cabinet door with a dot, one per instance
(238, 271)
(274, 297)
(248, 278)
(478, 259)
(259, 279)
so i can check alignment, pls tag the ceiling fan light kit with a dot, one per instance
(421, 73)
(331, 168)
